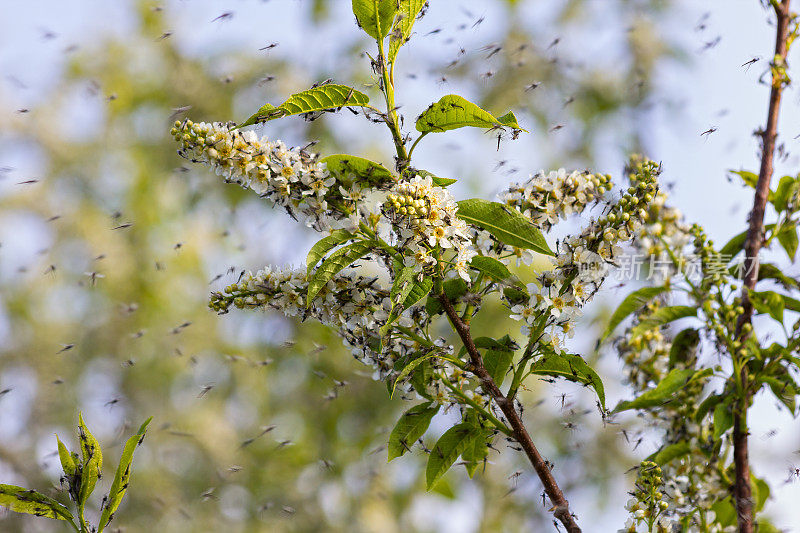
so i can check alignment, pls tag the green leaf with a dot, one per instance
(375, 16)
(749, 178)
(498, 356)
(67, 461)
(350, 169)
(401, 30)
(439, 182)
(510, 120)
(262, 115)
(769, 302)
(706, 406)
(492, 268)
(772, 272)
(475, 454)
(684, 347)
(671, 452)
(411, 426)
(507, 225)
(723, 419)
(453, 443)
(421, 377)
(734, 246)
(662, 316)
(453, 112)
(632, 303)
(122, 476)
(322, 98)
(571, 367)
(338, 260)
(92, 460)
(784, 391)
(406, 291)
(22, 500)
(760, 495)
(662, 393)
(325, 245)
(453, 288)
(787, 237)
(410, 368)
(786, 189)
(725, 512)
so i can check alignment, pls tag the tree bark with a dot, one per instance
(753, 244)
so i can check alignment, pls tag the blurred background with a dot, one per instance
(110, 244)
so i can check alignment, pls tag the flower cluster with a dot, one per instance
(354, 304)
(291, 178)
(647, 505)
(425, 224)
(582, 261)
(693, 482)
(546, 197)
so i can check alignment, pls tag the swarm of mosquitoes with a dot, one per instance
(502, 60)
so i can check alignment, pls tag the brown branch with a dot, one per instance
(561, 505)
(753, 244)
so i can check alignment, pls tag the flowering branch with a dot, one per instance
(561, 505)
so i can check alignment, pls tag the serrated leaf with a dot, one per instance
(662, 316)
(122, 476)
(684, 347)
(475, 454)
(67, 461)
(406, 291)
(673, 382)
(632, 303)
(671, 452)
(375, 16)
(92, 458)
(492, 268)
(411, 426)
(453, 288)
(450, 445)
(401, 30)
(571, 367)
(408, 369)
(507, 225)
(22, 500)
(324, 97)
(350, 169)
(787, 237)
(325, 245)
(261, 115)
(453, 112)
(338, 260)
